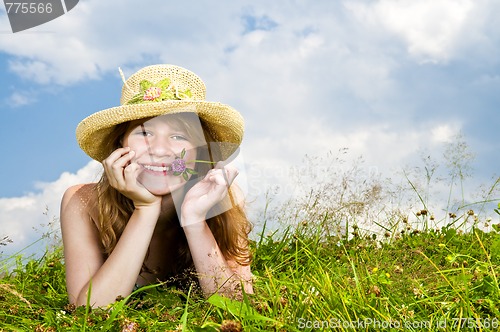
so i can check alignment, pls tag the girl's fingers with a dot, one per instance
(130, 174)
(122, 173)
(204, 195)
(228, 173)
(232, 173)
(115, 155)
(123, 161)
(115, 165)
(223, 176)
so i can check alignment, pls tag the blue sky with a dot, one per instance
(389, 80)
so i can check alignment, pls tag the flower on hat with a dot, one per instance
(163, 90)
(152, 93)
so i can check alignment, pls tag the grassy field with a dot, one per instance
(442, 280)
(345, 257)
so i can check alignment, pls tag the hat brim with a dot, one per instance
(223, 122)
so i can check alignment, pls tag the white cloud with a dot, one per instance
(19, 215)
(385, 149)
(351, 44)
(444, 133)
(98, 36)
(431, 29)
(321, 77)
(18, 99)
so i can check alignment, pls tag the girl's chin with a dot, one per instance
(158, 191)
(161, 189)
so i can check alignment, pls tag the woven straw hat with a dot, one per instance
(157, 90)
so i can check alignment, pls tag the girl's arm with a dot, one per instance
(86, 270)
(215, 273)
(88, 275)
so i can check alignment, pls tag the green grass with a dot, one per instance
(324, 268)
(417, 281)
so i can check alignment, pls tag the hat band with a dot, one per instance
(163, 90)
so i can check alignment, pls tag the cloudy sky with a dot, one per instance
(389, 80)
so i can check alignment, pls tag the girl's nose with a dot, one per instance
(160, 148)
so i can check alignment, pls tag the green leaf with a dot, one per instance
(185, 94)
(191, 171)
(145, 84)
(164, 84)
(136, 99)
(186, 312)
(185, 176)
(238, 309)
(209, 326)
(183, 153)
(167, 95)
(177, 173)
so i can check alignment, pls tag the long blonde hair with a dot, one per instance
(230, 229)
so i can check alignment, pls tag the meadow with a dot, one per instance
(349, 254)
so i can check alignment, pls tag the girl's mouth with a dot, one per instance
(164, 168)
(177, 167)
(157, 168)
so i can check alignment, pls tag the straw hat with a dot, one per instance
(157, 90)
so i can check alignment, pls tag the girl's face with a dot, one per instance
(157, 142)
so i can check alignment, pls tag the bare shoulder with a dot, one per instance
(82, 192)
(79, 199)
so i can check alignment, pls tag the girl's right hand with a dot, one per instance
(122, 175)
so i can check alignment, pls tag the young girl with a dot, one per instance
(164, 205)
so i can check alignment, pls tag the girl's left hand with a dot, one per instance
(207, 193)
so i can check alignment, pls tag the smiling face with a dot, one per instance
(157, 143)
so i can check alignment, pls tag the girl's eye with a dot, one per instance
(179, 138)
(141, 130)
(142, 133)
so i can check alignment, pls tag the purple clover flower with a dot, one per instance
(178, 165)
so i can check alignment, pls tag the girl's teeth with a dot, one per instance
(157, 168)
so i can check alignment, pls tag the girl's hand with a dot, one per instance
(207, 193)
(122, 175)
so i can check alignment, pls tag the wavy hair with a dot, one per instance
(230, 228)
